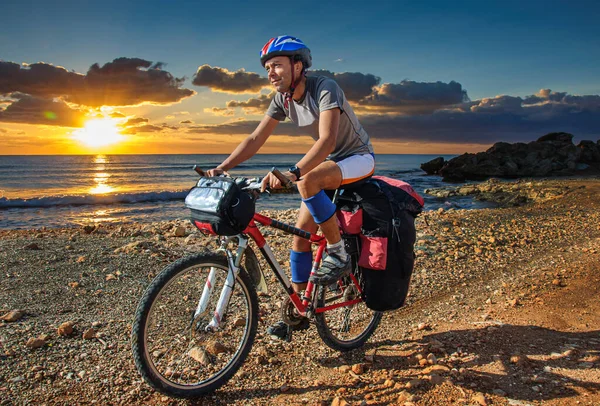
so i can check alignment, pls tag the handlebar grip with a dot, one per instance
(199, 171)
(284, 181)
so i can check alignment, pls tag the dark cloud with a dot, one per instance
(148, 128)
(122, 82)
(135, 121)
(186, 122)
(415, 97)
(355, 85)
(222, 80)
(257, 105)
(35, 110)
(485, 121)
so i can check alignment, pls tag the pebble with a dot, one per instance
(358, 369)
(13, 316)
(34, 343)
(215, 348)
(65, 329)
(89, 334)
(480, 399)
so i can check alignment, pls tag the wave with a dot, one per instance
(54, 201)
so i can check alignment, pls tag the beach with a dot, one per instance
(503, 309)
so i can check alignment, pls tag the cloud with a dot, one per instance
(256, 105)
(116, 114)
(220, 111)
(485, 121)
(135, 121)
(355, 85)
(2, 130)
(148, 128)
(222, 80)
(415, 97)
(122, 82)
(36, 110)
(186, 122)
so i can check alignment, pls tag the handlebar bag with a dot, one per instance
(219, 206)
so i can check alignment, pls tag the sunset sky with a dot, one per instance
(184, 76)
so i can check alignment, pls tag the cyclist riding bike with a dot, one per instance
(341, 155)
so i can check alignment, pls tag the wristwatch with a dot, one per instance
(296, 171)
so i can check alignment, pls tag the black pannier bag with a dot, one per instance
(387, 208)
(219, 206)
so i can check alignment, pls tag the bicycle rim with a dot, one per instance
(177, 355)
(348, 327)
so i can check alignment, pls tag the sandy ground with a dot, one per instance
(504, 305)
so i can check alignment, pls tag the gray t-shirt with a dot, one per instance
(323, 93)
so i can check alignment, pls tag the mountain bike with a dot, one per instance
(196, 322)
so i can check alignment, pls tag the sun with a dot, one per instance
(99, 133)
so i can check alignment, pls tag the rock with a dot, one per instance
(344, 369)
(423, 326)
(89, 334)
(110, 277)
(432, 167)
(431, 359)
(552, 154)
(404, 396)
(337, 401)
(480, 399)
(215, 348)
(180, 231)
(65, 329)
(33, 246)
(284, 388)
(358, 369)
(35, 343)
(88, 229)
(199, 355)
(13, 316)
(239, 322)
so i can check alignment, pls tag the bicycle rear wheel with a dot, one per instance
(173, 351)
(344, 328)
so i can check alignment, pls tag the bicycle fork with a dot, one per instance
(233, 270)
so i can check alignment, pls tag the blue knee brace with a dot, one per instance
(320, 206)
(301, 264)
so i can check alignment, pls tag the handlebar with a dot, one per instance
(284, 181)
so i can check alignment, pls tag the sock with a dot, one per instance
(338, 249)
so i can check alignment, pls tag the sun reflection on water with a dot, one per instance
(101, 178)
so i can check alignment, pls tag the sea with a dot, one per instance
(70, 191)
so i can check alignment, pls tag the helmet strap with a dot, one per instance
(290, 95)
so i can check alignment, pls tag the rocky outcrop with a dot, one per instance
(553, 154)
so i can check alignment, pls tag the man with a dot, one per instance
(342, 154)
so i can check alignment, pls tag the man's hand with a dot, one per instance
(215, 172)
(271, 181)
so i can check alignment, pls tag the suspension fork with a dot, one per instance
(233, 261)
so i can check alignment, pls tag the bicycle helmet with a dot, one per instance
(285, 45)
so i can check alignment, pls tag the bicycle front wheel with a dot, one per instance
(175, 349)
(348, 327)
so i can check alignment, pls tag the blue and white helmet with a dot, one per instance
(286, 45)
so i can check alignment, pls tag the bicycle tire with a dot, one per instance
(146, 348)
(328, 322)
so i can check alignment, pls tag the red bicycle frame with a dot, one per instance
(303, 305)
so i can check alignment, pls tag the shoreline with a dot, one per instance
(488, 285)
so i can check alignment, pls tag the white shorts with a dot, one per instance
(356, 167)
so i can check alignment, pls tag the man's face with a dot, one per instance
(279, 72)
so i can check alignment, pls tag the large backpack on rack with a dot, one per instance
(385, 217)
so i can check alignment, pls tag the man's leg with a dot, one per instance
(326, 176)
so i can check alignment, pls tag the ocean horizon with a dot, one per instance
(73, 190)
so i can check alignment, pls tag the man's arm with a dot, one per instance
(329, 122)
(251, 144)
